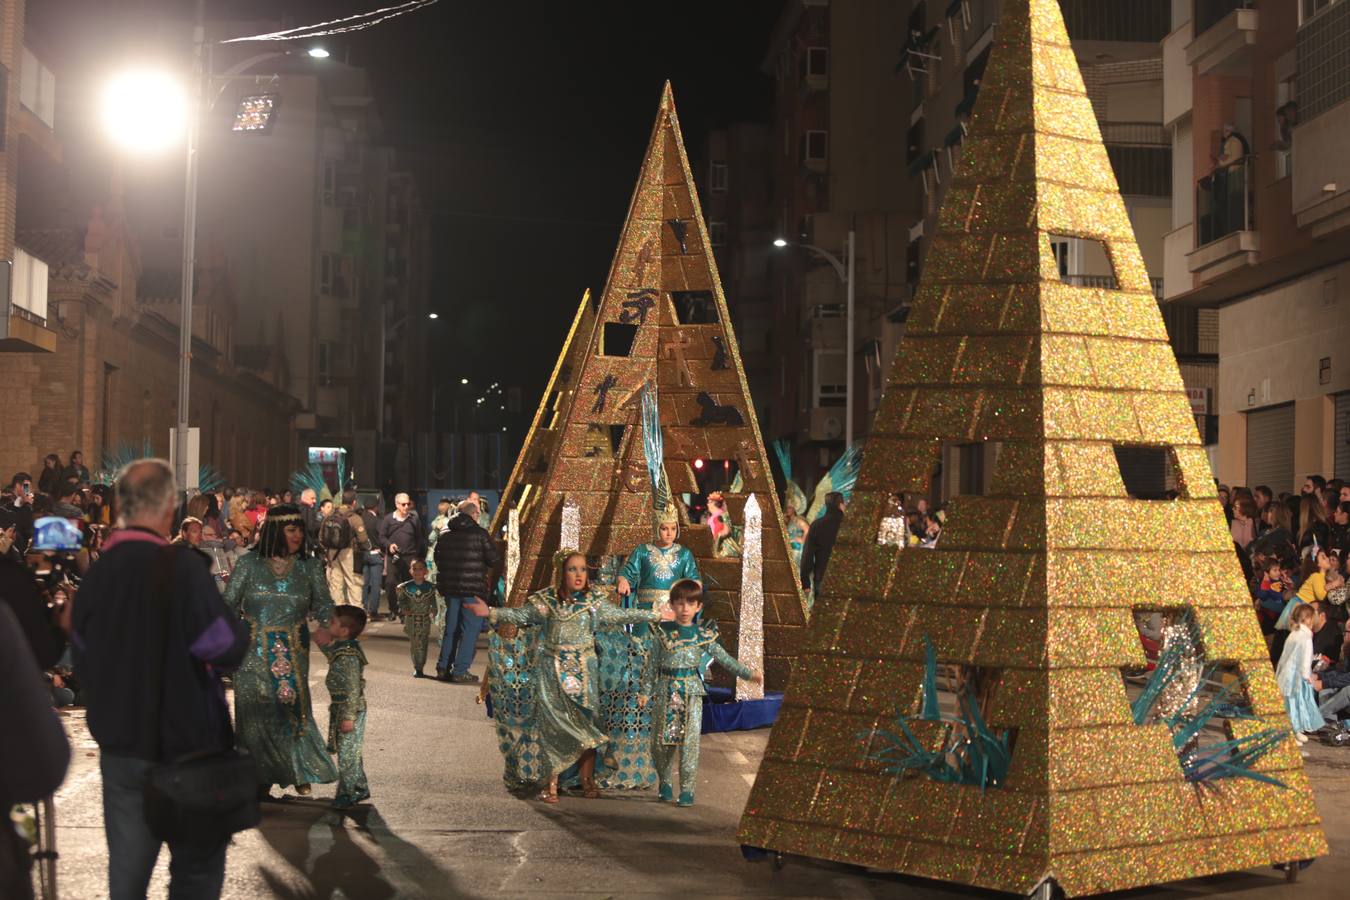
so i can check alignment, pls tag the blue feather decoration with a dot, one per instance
(653, 446)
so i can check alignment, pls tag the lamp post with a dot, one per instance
(145, 111)
(844, 269)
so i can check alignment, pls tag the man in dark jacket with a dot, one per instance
(136, 716)
(465, 557)
(401, 538)
(820, 541)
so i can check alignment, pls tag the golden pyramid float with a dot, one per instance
(1033, 584)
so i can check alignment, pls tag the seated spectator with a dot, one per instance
(1338, 534)
(76, 469)
(1273, 592)
(51, 473)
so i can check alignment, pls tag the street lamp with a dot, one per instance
(148, 111)
(845, 273)
(433, 315)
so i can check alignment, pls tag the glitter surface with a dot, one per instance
(1037, 581)
(751, 638)
(584, 445)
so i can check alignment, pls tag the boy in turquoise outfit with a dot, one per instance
(346, 683)
(673, 680)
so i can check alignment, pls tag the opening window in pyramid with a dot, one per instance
(949, 737)
(695, 307)
(966, 469)
(604, 441)
(1083, 262)
(1149, 473)
(617, 339)
(1203, 703)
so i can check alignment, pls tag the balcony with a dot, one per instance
(1226, 237)
(23, 306)
(1321, 180)
(1225, 32)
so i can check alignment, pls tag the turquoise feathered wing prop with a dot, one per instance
(793, 495)
(843, 475)
(653, 447)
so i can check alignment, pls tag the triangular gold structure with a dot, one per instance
(522, 488)
(663, 321)
(1035, 582)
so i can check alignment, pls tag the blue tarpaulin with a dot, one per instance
(722, 712)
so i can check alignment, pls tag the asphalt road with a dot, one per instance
(440, 823)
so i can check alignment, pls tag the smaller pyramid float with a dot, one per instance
(662, 324)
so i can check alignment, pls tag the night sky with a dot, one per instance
(525, 124)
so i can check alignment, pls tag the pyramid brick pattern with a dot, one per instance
(664, 260)
(1036, 581)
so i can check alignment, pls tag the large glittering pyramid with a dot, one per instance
(1033, 584)
(522, 488)
(663, 322)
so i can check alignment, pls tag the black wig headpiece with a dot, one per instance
(272, 535)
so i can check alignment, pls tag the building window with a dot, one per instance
(717, 176)
(914, 142)
(328, 271)
(717, 233)
(1309, 8)
(816, 66)
(37, 89)
(329, 182)
(815, 145)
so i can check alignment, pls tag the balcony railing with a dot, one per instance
(1090, 281)
(1223, 201)
(1140, 134)
(1209, 13)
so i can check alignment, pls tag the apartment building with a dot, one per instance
(872, 104)
(1263, 236)
(319, 225)
(733, 174)
(88, 334)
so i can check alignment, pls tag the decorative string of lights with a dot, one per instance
(357, 22)
(750, 649)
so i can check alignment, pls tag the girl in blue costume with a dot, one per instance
(566, 696)
(644, 583)
(277, 589)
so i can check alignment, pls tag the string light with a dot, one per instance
(338, 26)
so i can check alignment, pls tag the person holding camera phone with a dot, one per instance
(21, 505)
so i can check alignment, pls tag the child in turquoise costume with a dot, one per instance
(643, 583)
(673, 681)
(346, 683)
(417, 602)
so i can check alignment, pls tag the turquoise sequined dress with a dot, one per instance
(564, 673)
(627, 762)
(273, 716)
(673, 679)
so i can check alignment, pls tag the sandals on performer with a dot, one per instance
(589, 790)
(550, 793)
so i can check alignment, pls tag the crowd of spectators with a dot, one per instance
(1294, 549)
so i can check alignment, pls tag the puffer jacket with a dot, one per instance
(465, 557)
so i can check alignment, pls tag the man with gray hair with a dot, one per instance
(145, 708)
(465, 558)
(402, 539)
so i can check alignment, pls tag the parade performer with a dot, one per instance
(644, 583)
(276, 589)
(673, 681)
(417, 600)
(445, 509)
(564, 670)
(797, 529)
(346, 683)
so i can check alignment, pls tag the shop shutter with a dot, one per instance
(1270, 448)
(1343, 436)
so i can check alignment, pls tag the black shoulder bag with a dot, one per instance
(201, 798)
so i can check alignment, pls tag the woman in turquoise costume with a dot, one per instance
(564, 670)
(644, 583)
(276, 589)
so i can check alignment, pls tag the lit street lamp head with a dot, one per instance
(433, 315)
(318, 52)
(145, 111)
(779, 242)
